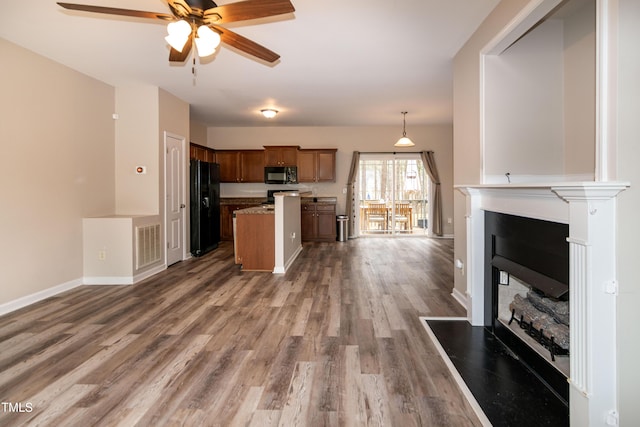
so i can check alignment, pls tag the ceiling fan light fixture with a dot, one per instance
(404, 141)
(207, 41)
(179, 32)
(269, 113)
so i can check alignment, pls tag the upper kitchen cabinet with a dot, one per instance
(280, 155)
(241, 165)
(200, 152)
(317, 165)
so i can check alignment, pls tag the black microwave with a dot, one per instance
(280, 175)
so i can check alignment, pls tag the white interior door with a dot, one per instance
(174, 197)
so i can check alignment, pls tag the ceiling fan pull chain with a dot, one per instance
(193, 70)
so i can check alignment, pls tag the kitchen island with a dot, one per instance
(254, 238)
(268, 237)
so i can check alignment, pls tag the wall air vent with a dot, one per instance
(148, 245)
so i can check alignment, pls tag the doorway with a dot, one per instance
(392, 195)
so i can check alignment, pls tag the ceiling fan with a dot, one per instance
(198, 21)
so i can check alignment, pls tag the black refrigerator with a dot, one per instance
(205, 206)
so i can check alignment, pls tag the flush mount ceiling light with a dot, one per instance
(404, 141)
(269, 113)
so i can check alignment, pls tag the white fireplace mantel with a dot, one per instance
(590, 210)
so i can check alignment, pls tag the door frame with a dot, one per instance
(185, 194)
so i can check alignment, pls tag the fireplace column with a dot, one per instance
(593, 290)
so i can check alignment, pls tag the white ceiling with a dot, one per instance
(343, 62)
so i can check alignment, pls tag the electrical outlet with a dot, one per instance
(102, 255)
(449, 221)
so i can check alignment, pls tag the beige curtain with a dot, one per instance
(351, 201)
(429, 162)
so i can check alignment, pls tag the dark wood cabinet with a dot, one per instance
(317, 165)
(200, 152)
(281, 155)
(318, 221)
(241, 165)
(226, 218)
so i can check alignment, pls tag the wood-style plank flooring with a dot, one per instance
(336, 341)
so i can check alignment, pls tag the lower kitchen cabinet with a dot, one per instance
(226, 218)
(318, 221)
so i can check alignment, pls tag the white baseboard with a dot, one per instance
(283, 269)
(107, 280)
(461, 298)
(123, 280)
(38, 296)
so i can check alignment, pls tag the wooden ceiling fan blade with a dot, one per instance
(248, 9)
(177, 56)
(116, 11)
(246, 45)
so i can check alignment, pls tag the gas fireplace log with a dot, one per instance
(558, 309)
(540, 321)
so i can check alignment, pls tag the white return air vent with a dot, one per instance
(148, 245)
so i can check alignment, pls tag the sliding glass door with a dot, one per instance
(393, 195)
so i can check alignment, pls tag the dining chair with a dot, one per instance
(377, 216)
(402, 216)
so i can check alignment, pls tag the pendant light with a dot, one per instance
(404, 141)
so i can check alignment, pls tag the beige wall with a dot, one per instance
(580, 92)
(57, 166)
(467, 153)
(137, 145)
(347, 140)
(198, 132)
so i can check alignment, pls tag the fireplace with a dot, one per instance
(588, 209)
(527, 276)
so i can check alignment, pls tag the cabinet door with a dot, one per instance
(252, 166)
(326, 166)
(280, 155)
(308, 222)
(289, 156)
(326, 220)
(229, 167)
(306, 166)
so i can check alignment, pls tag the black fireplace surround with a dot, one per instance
(536, 252)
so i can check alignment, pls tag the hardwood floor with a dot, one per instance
(335, 341)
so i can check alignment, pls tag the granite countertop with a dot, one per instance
(256, 210)
(319, 199)
(257, 200)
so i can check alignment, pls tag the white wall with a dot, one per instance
(56, 167)
(346, 139)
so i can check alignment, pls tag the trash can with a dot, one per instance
(342, 222)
